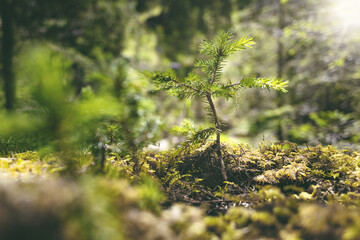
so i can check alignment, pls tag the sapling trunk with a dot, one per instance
(217, 142)
(215, 116)
(130, 141)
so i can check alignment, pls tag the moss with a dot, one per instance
(28, 166)
(279, 191)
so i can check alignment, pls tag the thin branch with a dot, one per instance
(232, 85)
(208, 201)
(185, 85)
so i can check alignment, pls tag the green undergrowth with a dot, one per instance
(279, 191)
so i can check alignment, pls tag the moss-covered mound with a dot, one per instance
(193, 176)
(321, 173)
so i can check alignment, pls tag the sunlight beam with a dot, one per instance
(346, 12)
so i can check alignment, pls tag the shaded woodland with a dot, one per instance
(134, 119)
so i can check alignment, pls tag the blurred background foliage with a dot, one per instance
(71, 72)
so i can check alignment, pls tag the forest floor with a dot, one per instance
(279, 191)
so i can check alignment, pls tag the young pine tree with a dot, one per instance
(210, 86)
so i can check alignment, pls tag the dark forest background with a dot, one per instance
(71, 71)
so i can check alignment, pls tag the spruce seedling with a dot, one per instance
(210, 87)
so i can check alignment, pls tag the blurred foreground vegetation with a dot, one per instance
(83, 133)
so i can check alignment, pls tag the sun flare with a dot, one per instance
(346, 12)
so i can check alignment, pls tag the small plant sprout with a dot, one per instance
(210, 86)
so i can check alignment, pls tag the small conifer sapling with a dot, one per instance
(210, 86)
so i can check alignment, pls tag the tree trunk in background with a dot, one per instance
(280, 46)
(7, 46)
(280, 62)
